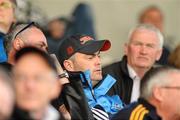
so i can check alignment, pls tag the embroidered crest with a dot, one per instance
(70, 50)
(84, 39)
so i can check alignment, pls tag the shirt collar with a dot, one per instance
(132, 73)
(51, 113)
(2, 31)
(2, 34)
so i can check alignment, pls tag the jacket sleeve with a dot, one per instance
(74, 99)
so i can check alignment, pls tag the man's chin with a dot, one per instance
(94, 82)
(144, 66)
(97, 78)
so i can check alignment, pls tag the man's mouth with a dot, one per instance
(143, 58)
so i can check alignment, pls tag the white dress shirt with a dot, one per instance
(136, 84)
(51, 114)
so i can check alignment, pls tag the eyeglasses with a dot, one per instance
(23, 29)
(6, 5)
(171, 87)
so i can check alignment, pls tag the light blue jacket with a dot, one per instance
(3, 56)
(98, 95)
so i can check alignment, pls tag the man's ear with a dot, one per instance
(68, 64)
(126, 48)
(18, 44)
(14, 20)
(157, 93)
(158, 55)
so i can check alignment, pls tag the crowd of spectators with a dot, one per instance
(58, 74)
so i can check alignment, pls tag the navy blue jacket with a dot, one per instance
(140, 110)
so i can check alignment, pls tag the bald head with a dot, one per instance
(33, 37)
(25, 35)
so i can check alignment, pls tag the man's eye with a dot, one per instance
(41, 46)
(20, 77)
(90, 57)
(150, 46)
(137, 44)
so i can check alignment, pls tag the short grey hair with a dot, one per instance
(10, 37)
(72, 58)
(159, 77)
(148, 27)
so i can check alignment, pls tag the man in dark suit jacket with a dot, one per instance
(142, 50)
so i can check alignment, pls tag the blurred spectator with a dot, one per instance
(24, 35)
(159, 90)
(82, 53)
(143, 48)
(174, 57)
(6, 93)
(153, 15)
(82, 21)
(28, 11)
(56, 31)
(36, 84)
(7, 18)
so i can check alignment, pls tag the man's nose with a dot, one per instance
(30, 84)
(143, 49)
(98, 60)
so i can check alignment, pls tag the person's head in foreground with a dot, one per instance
(24, 35)
(160, 87)
(35, 78)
